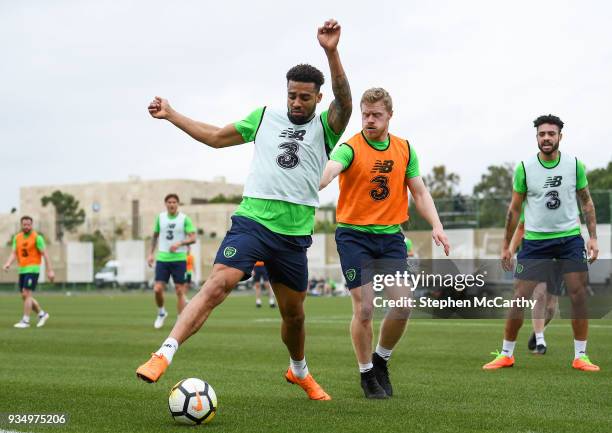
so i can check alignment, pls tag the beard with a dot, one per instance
(554, 147)
(301, 119)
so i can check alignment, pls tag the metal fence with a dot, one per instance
(490, 212)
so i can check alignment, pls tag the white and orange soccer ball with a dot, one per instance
(192, 401)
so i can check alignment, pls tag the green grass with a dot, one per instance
(83, 361)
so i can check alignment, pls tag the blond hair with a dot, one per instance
(376, 94)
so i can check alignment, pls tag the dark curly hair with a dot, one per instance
(171, 195)
(548, 118)
(304, 73)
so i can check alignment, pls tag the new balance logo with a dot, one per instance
(553, 181)
(382, 166)
(291, 134)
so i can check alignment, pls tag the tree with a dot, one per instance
(497, 181)
(444, 189)
(442, 184)
(102, 250)
(600, 178)
(67, 213)
(600, 185)
(220, 198)
(493, 193)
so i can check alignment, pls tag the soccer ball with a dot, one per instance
(192, 401)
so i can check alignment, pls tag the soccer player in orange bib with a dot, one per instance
(376, 170)
(29, 250)
(260, 277)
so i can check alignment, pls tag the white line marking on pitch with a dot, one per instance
(419, 322)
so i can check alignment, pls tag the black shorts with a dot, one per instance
(28, 281)
(285, 256)
(259, 274)
(538, 259)
(163, 271)
(358, 250)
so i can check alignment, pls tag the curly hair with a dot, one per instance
(548, 118)
(304, 73)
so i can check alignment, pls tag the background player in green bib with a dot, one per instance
(549, 183)
(409, 247)
(29, 249)
(276, 217)
(172, 234)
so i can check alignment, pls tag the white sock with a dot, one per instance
(383, 353)
(25, 318)
(540, 338)
(299, 368)
(579, 348)
(508, 348)
(162, 311)
(364, 368)
(41, 313)
(168, 349)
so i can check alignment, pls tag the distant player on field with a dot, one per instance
(549, 183)
(173, 232)
(190, 269)
(260, 278)
(376, 170)
(409, 247)
(275, 220)
(29, 249)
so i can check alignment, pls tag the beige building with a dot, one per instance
(127, 210)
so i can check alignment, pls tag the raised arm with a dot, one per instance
(210, 135)
(588, 212)
(426, 208)
(341, 107)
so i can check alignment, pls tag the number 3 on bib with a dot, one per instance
(553, 201)
(381, 192)
(288, 159)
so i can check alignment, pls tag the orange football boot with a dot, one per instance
(500, 361)
(153, 369)
(584, 363)
(308, 384)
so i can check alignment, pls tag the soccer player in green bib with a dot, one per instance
(275, 220)
(172, 235)
(549, 183)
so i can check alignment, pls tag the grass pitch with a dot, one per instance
(83, 363)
